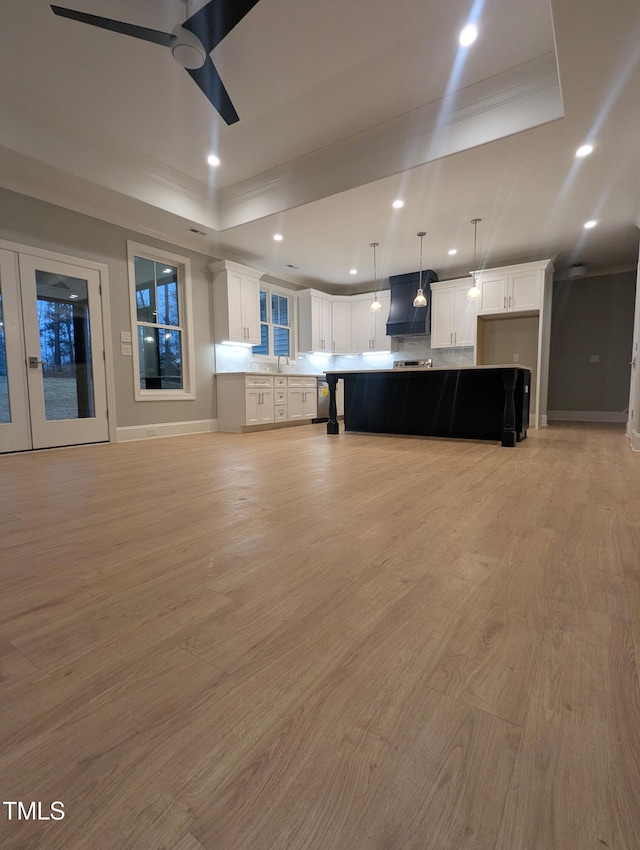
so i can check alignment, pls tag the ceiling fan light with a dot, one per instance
(187, 49)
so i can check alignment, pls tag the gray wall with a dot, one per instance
(591, 316)
(42, 225)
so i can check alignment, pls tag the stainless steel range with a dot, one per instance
(412, 364)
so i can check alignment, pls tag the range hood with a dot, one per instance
(405, 319)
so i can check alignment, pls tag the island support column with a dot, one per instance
(509, 436)
(332, 424)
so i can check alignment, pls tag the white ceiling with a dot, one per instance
(344, 106)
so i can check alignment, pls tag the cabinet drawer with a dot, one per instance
(280, 397)
(280, 413)
(279, 381)
(258, 381)
(302, 381)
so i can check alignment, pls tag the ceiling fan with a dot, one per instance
(190, 43)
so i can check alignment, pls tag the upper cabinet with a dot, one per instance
(341, 326)
(314, 321)
(453, 315)
(236, 303)
(368, 328)
(513, 289)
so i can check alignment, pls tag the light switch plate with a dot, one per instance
(595, 358)
(125, 336)
(126, 349)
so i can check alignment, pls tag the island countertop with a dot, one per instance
(464, 402)
(341, 372)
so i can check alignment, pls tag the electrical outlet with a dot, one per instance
(516, 358)
(595, 358)
(151, 432)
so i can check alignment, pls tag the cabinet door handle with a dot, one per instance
(505, 302)
(455, 337)
(451, 340)
(509, 301)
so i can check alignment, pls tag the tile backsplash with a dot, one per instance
(236, 358)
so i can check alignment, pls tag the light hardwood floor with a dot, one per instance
(289, 641)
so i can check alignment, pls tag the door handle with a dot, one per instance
(34, 362)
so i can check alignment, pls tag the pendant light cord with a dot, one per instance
(374, 245)
(474, 222)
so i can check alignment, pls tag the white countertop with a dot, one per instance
(274, 374)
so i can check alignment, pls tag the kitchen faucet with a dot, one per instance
(286, 358)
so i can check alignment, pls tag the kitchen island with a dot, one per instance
(468, 402)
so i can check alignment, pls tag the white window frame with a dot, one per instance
(185, 309)
(293, 312)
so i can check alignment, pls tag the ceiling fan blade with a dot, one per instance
(212, 23)
(208, 79)
(155, 36)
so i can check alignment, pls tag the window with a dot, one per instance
(275, 324)
(160, 286)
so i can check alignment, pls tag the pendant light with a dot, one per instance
(420, 300)
(375, 304)
(474, 291)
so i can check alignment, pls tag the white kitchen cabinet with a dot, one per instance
(341, 326)
(244, 400)
(453, 315)
(513, 289)
(236, 303)
(302, 397)
(369, 329)
(280, 413)
(258, 406)
(314, 321)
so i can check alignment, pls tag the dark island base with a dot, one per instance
(473, 403)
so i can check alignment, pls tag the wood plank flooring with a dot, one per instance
(289, 641)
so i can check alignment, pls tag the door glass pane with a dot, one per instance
(65, 346)
(5, 410)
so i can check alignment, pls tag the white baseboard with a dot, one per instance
(165, 429)
(587, 415)
(635, 441)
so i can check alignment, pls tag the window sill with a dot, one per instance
(164, 395)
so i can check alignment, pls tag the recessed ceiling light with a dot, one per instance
(397, 204)
(213, 160)
(278, 237)
(468, 35)
(353, 271)
(589, 224)
(452, 251)
(584, 150)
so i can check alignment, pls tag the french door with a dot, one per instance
(52, 370)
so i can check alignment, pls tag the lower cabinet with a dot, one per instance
(280, 399)
(302, 397)
(258, 407)
(249, 400)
